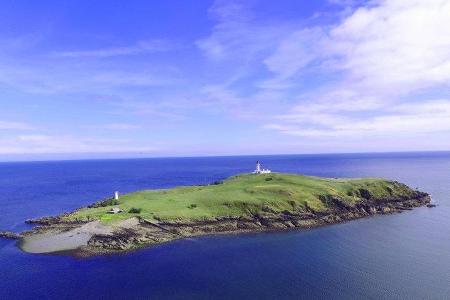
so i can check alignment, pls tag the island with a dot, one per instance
(242, 203)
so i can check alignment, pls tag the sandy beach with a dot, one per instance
(58, 241)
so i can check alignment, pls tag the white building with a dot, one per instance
(115, 210)
(260, 170)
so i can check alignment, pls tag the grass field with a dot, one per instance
(244, 195)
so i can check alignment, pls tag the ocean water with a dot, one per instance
(400, 256)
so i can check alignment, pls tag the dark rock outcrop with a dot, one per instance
(46, 221)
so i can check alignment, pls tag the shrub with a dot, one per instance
(292, 203)
(191, 206)
(390, 190)
(104, 203)
(268, 178)
(135, 210)
(114, 202)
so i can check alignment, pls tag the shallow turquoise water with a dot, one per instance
(401, 256)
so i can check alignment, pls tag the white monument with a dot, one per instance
(260, 170)
(116, 195)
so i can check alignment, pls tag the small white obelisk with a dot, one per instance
(116, 195)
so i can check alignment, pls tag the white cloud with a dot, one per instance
(396, 46)
(372, 68)
(384, 54)
(411, 119)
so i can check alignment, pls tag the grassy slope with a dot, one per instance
(239, 195)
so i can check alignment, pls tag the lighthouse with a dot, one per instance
(258, 167)
(260, 170)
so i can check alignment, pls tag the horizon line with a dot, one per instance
(205, 156)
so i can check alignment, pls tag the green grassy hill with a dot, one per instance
(248, 194)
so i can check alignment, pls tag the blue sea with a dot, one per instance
(400, 256)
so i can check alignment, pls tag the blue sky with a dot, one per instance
(182, 78)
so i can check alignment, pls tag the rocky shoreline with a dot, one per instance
(134, 234)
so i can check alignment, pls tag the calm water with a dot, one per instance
(402, 256)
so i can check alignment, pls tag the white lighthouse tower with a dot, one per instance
(258, 167)
(260, 170)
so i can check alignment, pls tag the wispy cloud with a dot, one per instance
(375, 66)
(294, 53)
(8, 125)
(237, 35)
(256, 107)
(161, 110)
(345, 74)
(412, 119)
(121, 78)
(121, 126)
(58, 144)
(77, 77)
(142, 47)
